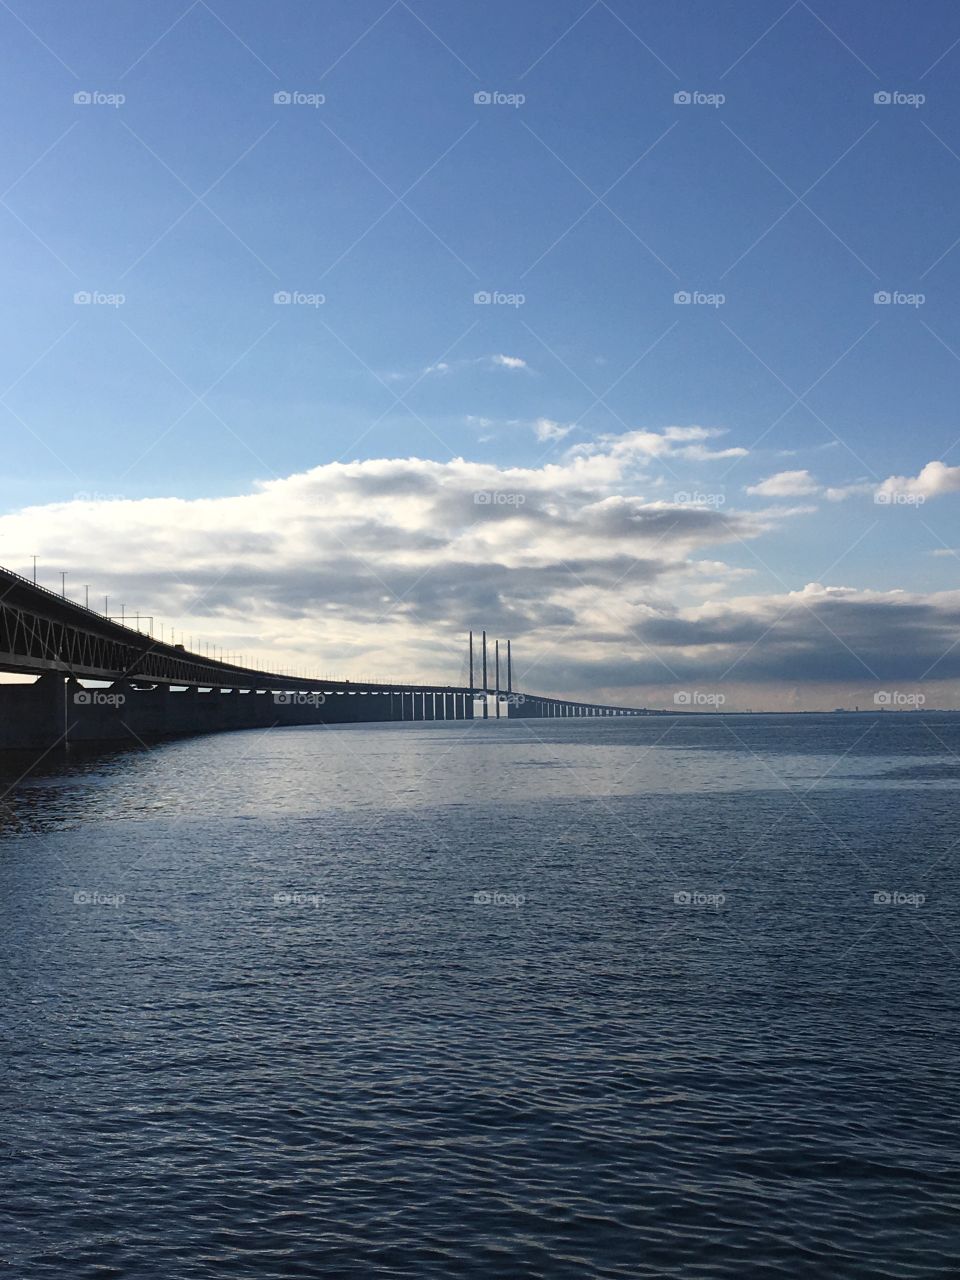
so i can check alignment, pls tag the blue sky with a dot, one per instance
(598, 198)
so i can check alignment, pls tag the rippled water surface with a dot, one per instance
(650, 998)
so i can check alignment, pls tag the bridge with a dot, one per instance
(145, 689)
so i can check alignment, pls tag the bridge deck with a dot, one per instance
(46, 635)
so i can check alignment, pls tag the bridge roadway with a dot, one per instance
(157, 690)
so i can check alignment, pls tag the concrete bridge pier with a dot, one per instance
(34, 715)
(56, 709)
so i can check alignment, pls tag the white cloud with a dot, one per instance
(786, 484)
(496, 361)
(672, 442)
(801, 484)
(844, 491)
(379, 567)
(935, 478)
(546, 429)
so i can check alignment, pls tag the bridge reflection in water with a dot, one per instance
(149, 690)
